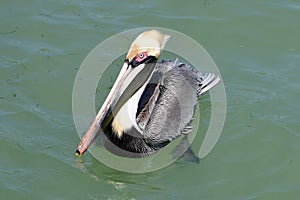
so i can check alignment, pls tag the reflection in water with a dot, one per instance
(119, 180)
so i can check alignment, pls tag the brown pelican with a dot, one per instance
(150, 104)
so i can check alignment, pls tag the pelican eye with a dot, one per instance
(141, 56)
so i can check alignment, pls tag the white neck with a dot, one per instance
(125, 119)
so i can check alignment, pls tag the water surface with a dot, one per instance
(256, 47)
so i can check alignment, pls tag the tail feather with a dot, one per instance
(207, 81)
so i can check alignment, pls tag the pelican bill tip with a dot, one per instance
(78, 152)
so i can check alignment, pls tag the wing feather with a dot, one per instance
(169, 111)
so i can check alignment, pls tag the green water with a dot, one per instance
(255, 45)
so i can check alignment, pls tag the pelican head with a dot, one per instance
(137, 68)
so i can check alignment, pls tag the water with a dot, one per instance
(256, 46)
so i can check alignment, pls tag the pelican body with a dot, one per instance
(150, 104)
